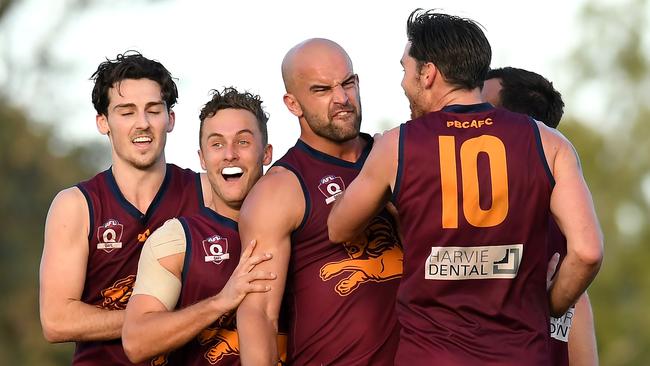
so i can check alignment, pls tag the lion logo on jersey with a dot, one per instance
(160, 360)
(116, 296)
(224, 336)
(376, 255)
(226, 341)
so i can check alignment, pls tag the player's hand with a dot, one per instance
(378, 136)
(550, 271)
(244, 280)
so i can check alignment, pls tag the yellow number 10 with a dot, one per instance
(469, 150)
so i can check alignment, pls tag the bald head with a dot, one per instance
(310, 57)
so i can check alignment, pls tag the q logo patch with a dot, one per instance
(109, 236)
(331, 186)
(216, 249)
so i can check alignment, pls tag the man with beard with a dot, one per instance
(475, 188)
(190, 275)
(339, 299)
(573, 337)
(95, 230)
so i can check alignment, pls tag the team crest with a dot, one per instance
(216, 249)
(331, 186)
(109, 236)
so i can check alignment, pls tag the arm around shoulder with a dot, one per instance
(573, 210)
(368, 192)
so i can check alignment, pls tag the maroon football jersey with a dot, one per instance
(212, 254)
(117, 231)
(340, 298)
(473, 190)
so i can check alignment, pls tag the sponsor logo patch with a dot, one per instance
(109, 236)
(216, 249)
(473, 263)
(331, 186)
(560, 327)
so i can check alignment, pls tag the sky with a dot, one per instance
(213, 44)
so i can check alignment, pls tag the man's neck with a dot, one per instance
(456, 96)
(223, 209)
(349, 150)
(139, 186)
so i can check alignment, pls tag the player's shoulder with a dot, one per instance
(69, 209)
(167, 239)
(277, 196)
(552, 137)
(172, 226)
(390, 137)
(278, 179)
(69, 198)
(386, 143)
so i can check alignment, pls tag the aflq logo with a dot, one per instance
(216, 249)
(109, 236)
(331, 186)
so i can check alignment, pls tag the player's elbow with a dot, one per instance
(250, 315)
(592, 255)
(132, 348)
(336, 231)
(335, 236)
(54, 330)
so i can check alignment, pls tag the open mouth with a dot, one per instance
(343, 114)
(141, 140)
(231, 173)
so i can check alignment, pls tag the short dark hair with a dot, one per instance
(231, 98)
(456, 46)
(529, 93)
(131, 65)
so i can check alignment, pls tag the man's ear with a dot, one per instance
(203, 165)
(102, 124)
(292, 104)
(428, 74)
(172, 121)
(268, 154)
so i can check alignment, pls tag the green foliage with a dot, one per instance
(31, 176)
(616, 163)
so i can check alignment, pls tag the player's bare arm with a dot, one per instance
(583, 350)
(573, 210)
(271, 212)
(369, 191)
(151, 326)
(64, 316)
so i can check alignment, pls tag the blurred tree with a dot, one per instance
(610, 68)
(31, 176)
(34, 166)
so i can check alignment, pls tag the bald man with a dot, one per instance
(339, 298)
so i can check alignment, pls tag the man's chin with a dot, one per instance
(144, 164)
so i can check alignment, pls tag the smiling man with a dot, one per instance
(95, 230)
(190, 274)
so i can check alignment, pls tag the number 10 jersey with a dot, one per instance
(473, 191)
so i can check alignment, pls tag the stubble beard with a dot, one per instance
(340, 132)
